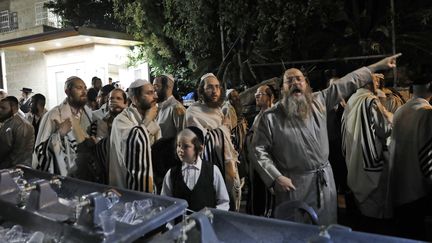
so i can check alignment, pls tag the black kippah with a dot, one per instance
(197, 132)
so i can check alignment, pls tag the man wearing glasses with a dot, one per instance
(291, 140)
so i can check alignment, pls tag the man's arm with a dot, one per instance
(263, 141)
(22, 146)
(48, 143)
(347, 85)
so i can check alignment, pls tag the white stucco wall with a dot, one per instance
(25, 69)
(86, 62)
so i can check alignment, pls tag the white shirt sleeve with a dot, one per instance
(166, 186)
(222, 198)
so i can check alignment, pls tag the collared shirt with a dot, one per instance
(191, 173)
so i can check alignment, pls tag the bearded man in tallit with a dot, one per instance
(64, 130)
(292, 144)
(132, 134)
(207, 115)
(366, 127)
(411, 158)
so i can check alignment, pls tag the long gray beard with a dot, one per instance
(298, 107)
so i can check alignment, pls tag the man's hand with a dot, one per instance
(384, 64)
(285, 183)
(151, 113)
(63, 128)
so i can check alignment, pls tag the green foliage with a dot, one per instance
(95, 13)
(184, 37)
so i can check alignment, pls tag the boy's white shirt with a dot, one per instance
(191, 178)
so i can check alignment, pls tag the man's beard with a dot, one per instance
(298, 106)
(4, 118)
(34, 110)
(212, 104)
(77, 102)
(162, 95)
(144, 105)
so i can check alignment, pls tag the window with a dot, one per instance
(45, 17)
(4, 20)
(8, 21)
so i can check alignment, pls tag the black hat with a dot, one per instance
(26, 90)
(107, 89)
(198, 133)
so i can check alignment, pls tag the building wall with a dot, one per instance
(86, 62)
(4, 4)
(25, 69)
(26, 12)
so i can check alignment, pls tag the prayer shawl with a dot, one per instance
(171, 117)
(130, 163)
(54, 154)
(411, 152)
(218, 148)
(299, 149)
(238, 126)
(34, 120)
(364, 134)
(229, 111)
(207, 119)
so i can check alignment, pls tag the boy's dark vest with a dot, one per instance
(202, 195)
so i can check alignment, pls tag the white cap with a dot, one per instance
(208, 75)
(138, 83)
(70, 79)
(228, 92)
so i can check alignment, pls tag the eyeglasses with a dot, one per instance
(291, 79)
(260, 94)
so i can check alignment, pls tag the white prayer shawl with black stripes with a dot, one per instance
(411, 152)
(207, 119)
(364, 135)
(130, 163)
(55, 154)
(218, 148)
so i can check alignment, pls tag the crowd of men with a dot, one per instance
(128, 139)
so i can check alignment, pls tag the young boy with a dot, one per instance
(198, 182)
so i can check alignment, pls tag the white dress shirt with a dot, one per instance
(191, 173)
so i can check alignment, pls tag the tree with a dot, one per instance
(95, 13)
(191, 37)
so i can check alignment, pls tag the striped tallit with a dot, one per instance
(138, 161)
(425, 159)
(214, 149)
(364, 133)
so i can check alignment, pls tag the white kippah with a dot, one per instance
(207, 75)
(138, 83)
(70, 79)
(228, 92)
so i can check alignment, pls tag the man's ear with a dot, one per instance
(67, 91)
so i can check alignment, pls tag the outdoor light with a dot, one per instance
(87, 39)
(57, 44)
(31, 48)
